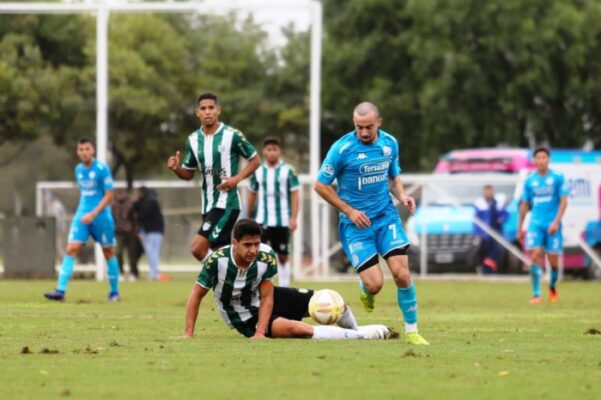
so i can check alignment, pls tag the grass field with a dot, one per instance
(487, 343)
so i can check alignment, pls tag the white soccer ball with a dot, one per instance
(326, 307)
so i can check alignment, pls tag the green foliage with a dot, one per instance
(452, 74)
(487, 342)
(44, 84)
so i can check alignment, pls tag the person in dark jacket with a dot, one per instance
(492, 212)
(152, 227)
(126, 232)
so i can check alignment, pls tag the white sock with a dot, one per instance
(284, 274)
(334, 332)
(410, 328)
(347, 320)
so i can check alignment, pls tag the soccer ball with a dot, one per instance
(326, 307)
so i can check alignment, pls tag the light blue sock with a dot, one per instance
(407, 299)
(554, 276)
(65, 273)
(113, 274)
(535, 273)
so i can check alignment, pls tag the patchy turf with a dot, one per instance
(487, 343)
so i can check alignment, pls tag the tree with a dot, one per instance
(43, 83)
(452, 74)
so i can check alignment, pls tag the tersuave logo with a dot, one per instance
(368, 169)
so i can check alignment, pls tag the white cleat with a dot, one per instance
(376, 332)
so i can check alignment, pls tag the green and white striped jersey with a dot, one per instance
(217, 156)
(273, 186)
(236, 290)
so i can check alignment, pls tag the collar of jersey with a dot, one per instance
(356, 138)
(277, 165)
(221, 125)
(234, 260)
(91, 165)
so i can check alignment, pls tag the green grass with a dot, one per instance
(487, 343)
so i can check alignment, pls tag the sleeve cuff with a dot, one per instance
(201, 285)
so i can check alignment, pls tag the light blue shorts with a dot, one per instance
(385, 234)
(538, 237)
(102, 230)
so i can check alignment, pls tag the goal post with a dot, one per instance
(103, 10)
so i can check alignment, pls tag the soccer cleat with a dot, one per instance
(367, 301)
(113, 297)
(56, 295)
(535, 300)
(415, 338)
(553, 295)
(375, 332)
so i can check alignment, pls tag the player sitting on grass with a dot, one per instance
(240, 275)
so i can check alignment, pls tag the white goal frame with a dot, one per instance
(103, 9)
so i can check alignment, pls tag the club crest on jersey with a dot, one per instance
(386, 151)
(549, 181)
(361, 156)
(206, 226)
(221, 148)
(92, 174)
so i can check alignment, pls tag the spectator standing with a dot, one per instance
(150, 220)
(126, 233)
(491, 211)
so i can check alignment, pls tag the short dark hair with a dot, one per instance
(543, 150)
(143, 190)
(207, 96)
(246, 227)
(84, 141)
(488, 186)
(271, 140)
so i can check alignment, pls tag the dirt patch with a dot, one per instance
(411, 353)
(25, 350)
(48, 351)
(592, 331)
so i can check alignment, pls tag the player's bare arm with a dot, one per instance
(250, 202)
(563, 204)
(524, 208)
(265, 309)
(173, 163)
(293, 223)
(396, 188)
(192, 306)
(328, 193)
(106, 200)
(230, 183)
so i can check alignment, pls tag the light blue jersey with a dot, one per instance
(93, 182)
(362, 171)
(544, 193)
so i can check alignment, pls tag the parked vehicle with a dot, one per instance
(448, 218)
